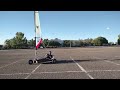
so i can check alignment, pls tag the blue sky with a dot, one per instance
(72, 25)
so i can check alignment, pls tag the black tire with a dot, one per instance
(38, 61)
(30, 62)
(54, 61)
(35, 61)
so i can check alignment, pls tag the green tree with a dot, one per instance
(118, 41)
(13, 42)
(75, 43)
(31, 43)
(99, 41)
(25, 43)
(111, 43)
(45, 43)
(7, 44)
(53, 43)
(19, 41)
(1, 47)
(81, 43)
(66, 43)
(88, 42)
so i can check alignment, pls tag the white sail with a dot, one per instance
(37, 29)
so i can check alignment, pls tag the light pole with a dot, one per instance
(70, 43)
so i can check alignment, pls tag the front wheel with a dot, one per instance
(30, 62)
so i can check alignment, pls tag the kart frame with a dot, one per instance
(49, 58)
(42, 60)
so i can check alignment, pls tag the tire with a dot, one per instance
(54, 61)
(38, 61)
(30, 62)
(35, 61)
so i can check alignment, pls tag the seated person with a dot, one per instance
(49, 56)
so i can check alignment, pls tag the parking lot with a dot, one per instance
(72, 63)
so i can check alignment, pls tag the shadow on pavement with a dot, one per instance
(73, 61)
(68, 61)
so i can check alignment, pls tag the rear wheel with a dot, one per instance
(54, 61)
(30, 62)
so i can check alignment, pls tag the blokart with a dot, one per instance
(48, 59)
(38, 41)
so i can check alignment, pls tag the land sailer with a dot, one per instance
(38, 40)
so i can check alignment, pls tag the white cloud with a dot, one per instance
(107, 28)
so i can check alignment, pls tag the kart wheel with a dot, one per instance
(35, 61)
(30, 62)
(38, 61)
(54, 61)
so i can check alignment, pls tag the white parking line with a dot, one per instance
(10, 64)
(103, 71)
(96, 58)
(82, 69)
(111, 62)
(15, 74)
(58, 72)
(33, 71)
(62, 72)
(107, 61)
(117, 56)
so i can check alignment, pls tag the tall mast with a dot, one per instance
(37, 31)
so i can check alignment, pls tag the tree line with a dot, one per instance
(21, 42)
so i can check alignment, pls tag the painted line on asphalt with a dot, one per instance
(107, 61)
(82, 69)
(58, 72)
(10, 64)
(33, 71)
(15, 74)
(96, 58)
(117, 56)
(103, 71)
(111, 62)
(63, 72)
